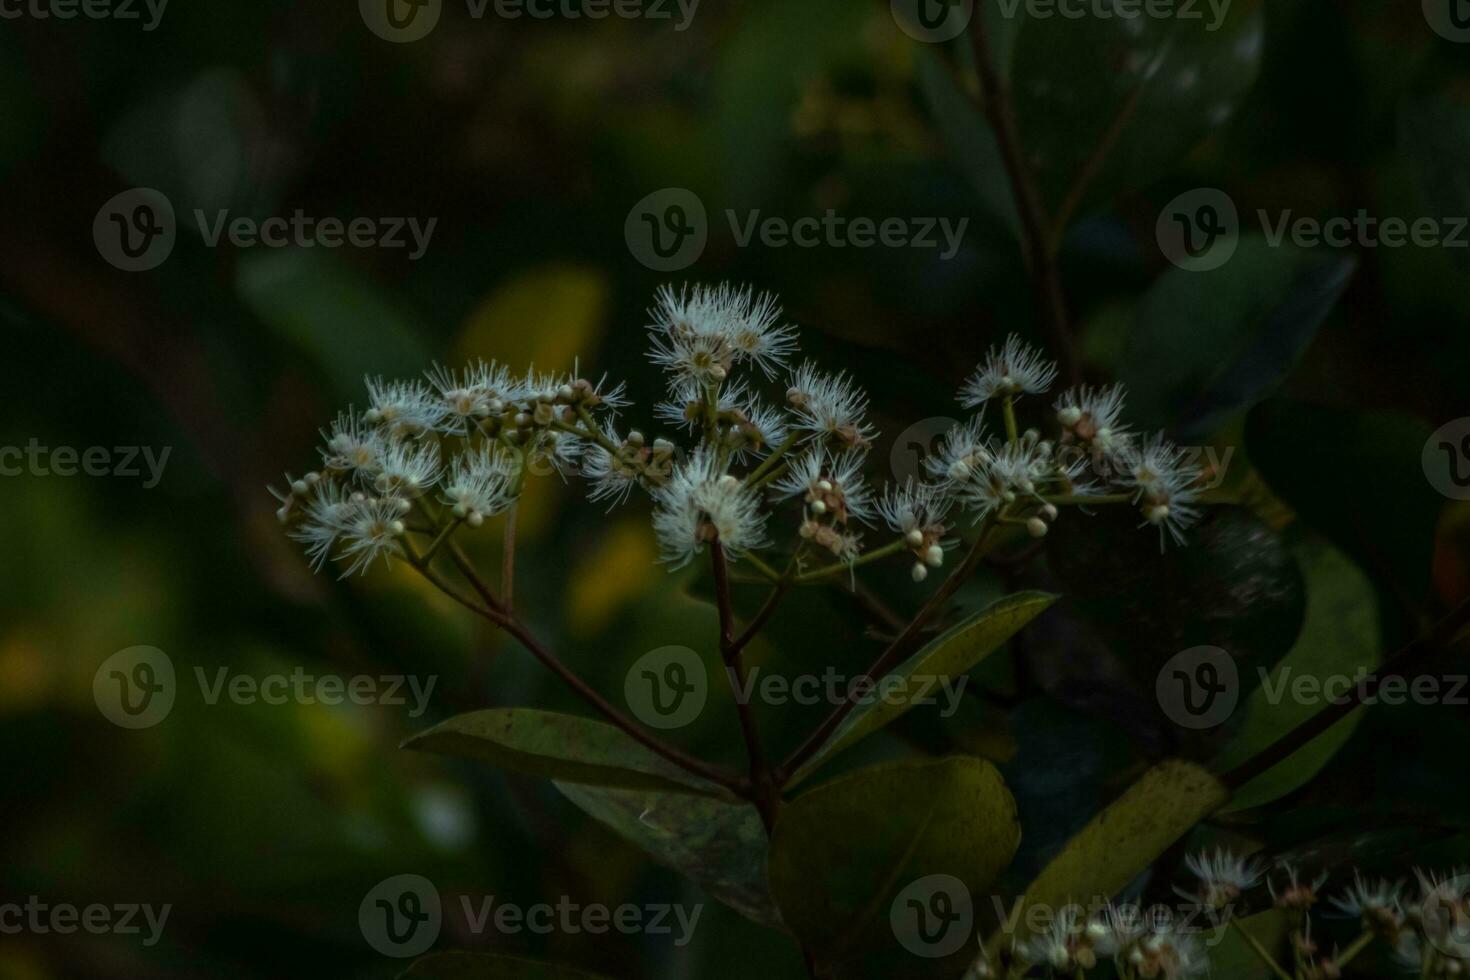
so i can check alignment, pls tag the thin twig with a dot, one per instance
(764, 793)
(890, 657)
(995, 100)
(508, 561)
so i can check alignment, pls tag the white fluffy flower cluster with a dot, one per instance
(1095, 453)
(455, 448)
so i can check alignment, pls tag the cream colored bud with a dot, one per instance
(1069, 416)
(914, 538)
(919, 572)
(818, 507)
(475, 519)
(934, 556)
(1036, 527)
(1049, 511)
(397, 527)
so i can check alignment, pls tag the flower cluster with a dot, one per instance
(455, 448)
(1426, 929)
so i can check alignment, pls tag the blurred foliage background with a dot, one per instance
(529, 141)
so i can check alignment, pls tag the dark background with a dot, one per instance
(529, 141)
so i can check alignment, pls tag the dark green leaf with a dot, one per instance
(1206, 346)
(950, 655)
(720, 846)
(842, 852)
(557, 746)
(1339, 637)
(1170, 81)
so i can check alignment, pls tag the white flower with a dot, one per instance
(964, 451)
(1224, 877)
(370, 531)
(1169, 954)
(1016, 470)
(1165, 486)
(916, 509)
(1063, 947)
(700, 334)
(1379, 905)
(1011, 369)
(481, 484)
(833, 485)
(829, 407)
(354, 446)
(326, 518)
(403, 407)
(757, 430)
(479, 391)
(700, 504)
(1094, 416)
(407, 468)
(550, 450)
(685, 408)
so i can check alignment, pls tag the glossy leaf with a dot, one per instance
(950, 655)
(1164, 83)
(1125, 838)
(1207, 346)
(842, 852)
(1339, 638)
(720, 846)
(557, 746)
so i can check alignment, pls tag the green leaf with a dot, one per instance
(970, 139)
(332, 313)
(1340, 637)
(1164, 83)
(842, 852)
(1386, 520)
(1206, 346)
(951, 654)
(563, 747)
(719, 846)
(1125, 838)
(489, 966)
